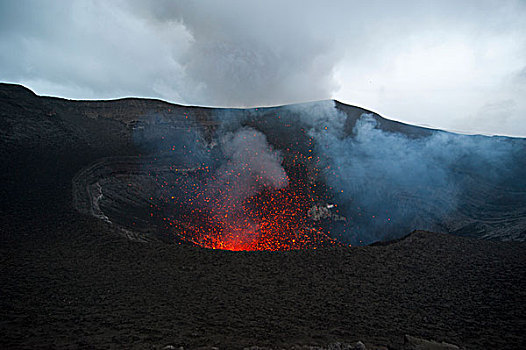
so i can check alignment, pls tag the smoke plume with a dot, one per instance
(378, 180)
(388, 183)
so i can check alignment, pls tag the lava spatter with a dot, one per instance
(266, 219)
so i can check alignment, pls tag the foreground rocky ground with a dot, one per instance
(73, 281)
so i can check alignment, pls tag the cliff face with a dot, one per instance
(48, 144)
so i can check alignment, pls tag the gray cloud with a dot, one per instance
(244, 53)
(427, 62)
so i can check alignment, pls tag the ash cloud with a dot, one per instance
(240, 160)
(252, 163)
(249, 164)
(388, 184)
(248, 54)
(211, 177)
(385, 182)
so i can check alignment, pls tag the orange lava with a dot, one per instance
(272, 219)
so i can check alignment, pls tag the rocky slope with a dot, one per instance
(71, 280)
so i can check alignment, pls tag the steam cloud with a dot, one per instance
(239, 164)
(385, 183)
(251, 164)
(248, 165)
(389, 184)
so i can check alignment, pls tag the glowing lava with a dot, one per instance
(245, 196)
(272, 219)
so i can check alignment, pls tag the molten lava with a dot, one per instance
(272, 219)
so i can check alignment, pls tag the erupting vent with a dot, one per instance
(270, 220)
(237, 212)
(263, 180)
(236, 193)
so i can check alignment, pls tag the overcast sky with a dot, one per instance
(456, 65)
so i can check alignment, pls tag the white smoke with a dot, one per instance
(250, 165)
(387, 183)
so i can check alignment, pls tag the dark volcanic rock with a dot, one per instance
(413, 343)
(70, 280)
